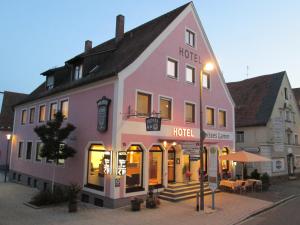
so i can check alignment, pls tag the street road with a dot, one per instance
(287, 213)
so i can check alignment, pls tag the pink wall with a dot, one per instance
(82, 114)
(3, 147)
(151, 77)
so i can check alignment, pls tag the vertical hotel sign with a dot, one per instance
(121, 169)
(103, 106)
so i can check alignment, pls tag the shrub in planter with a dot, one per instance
(73, 191)
(255, 174)
(136, 204)
(48, 198)
(151, 200)
(265, 179)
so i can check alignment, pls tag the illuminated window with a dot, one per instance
(38, 157)
(64, 108)
(189, 113)
(31, 115)
(210, 116)
(99, 160)
(155, 166)
(42, 113)
(23, 116)
(53, 110)
(77, 72)
(190, 38)
(206, 80)
(225, 163)
(190, 74)
(20, 149)
(172, 68)
(165, 108)
(134, 170)
(222, 118)
(29, 150)
(143, 104)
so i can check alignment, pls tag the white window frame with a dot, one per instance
(194, 68)
(184, 112)
(59, 106)
(172, 102)
(215, 121)
(47, 84)
(136, 98)
(177, 63)
(35, 152)
(239, 140)
(34, 115)
(39, 113)
(32, 145)
(209, 80)
(49, 106)
(26, 119)
(187, 29)
(75, 77)
(22, 149)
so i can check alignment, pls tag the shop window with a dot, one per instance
(190, 74)
(23, 116)
(172, 68)
(210, 116)
(225, 163)
(165, 108)
(143, 104)
(64, 108)
(240, 136)
(189, 113)
(98, 165)
(31, 115)
(38, 157)
(206, 80)
(42, 113)
(156, 166)
(29, 150)
(134, 170)
(222, 118)
(53, 110)
(77, 72)
(190, 38)
(20, 149)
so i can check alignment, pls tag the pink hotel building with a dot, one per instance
(152, 69)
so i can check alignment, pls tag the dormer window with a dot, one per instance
(77, 72)
(50, 82)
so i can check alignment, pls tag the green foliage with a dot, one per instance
(48, 198)
(255, 174)
(53, 135)
(73, 191)
(265, 179)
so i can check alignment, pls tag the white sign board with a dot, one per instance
(213, 167)
(278, 165)
(278, 134)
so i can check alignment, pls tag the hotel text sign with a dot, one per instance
(188, 132)
(121, 170)
(187, 54)
(183, 132)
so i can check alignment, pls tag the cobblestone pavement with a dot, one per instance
(230, 208)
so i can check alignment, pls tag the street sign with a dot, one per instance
(153, 124)
(191, 151)
(213, 168)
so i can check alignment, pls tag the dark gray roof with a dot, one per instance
(7, 113)
(109, 58)
(255, 99)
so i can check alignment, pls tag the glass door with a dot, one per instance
(171, 165)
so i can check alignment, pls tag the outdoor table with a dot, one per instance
(228, 184)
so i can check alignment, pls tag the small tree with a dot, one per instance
(52, 136)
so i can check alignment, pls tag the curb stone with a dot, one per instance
(260, 211)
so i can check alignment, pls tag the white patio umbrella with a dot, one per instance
(244, 157)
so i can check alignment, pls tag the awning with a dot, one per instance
(244, 157)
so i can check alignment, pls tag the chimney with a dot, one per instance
(119, 28)
(88, 45)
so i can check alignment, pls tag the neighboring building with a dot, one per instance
(6, 121)
(297, 95)
(268, 121)
(152, 68)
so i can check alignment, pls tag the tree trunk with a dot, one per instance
(53, 176)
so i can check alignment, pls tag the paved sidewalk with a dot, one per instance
(230, 208)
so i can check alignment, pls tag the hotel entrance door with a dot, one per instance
(171, 165)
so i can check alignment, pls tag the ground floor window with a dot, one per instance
(156, 166)
(98, 165)
(225, 163)
(134, 168)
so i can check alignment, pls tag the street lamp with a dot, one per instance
(206, 67)
(8, 137)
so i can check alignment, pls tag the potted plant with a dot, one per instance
(151, 201)
(136, 204)
(73, 191)
(265, 179)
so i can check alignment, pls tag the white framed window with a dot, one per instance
(64, 108)
(38, 149)
(143, 104)
(31, 115)
(240, 136)
(190, 74)
(210, 116)
(20, 149)
(29, 150)
(53, 110)
(42, 113)
(190, 38)
(50, 82)
(206, 80)
(172, 68)
(77, 72)
(165, 107)
(190, 112)
(23, 116)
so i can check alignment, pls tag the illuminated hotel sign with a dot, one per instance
(183, 132)
(106, 162)
(121, 170)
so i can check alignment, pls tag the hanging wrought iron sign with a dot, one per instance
(103, 106)
(153, 124)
